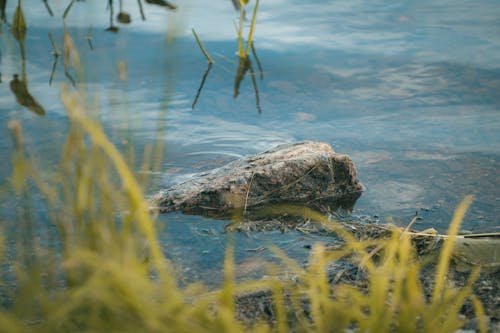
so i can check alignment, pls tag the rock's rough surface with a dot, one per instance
(307, 173)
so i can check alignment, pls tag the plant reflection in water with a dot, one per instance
(20, 87)
(244, 61)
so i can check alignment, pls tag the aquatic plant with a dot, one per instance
(243, 53)
(123, 17)
(102, 268)
(202, 48)
(244, 62)
(98, 266)
(389, 297)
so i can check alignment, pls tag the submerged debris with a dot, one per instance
(347, 271)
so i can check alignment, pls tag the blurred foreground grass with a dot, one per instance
(100, 267)
(97, 265)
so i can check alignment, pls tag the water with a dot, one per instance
(409, 90)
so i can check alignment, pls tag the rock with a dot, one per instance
(307, 173)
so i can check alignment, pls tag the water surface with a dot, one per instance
(409, 90)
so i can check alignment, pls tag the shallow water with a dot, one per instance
(409, 90)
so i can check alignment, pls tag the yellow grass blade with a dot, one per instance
(138, 203)
(447, 250)
(479, 310)
(252, 28)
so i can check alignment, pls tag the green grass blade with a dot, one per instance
(252, 28)
(202, 48)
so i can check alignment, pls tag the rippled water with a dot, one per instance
(410, 90)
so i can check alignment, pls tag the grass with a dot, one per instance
(98, 266)
(104, 271)
(202, 48)
(244, 52)
(244, 62)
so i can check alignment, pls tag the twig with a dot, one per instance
(413, 220)
(257, 249)
(54, 45)
(483, 235)
(287, 186)
(209, 58)
(248, 193)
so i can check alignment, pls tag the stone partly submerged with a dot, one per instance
(308, 173)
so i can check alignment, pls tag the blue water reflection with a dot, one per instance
(409, 89)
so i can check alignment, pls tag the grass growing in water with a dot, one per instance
(202, 48)
(101, 268)
(104, 271)
(243, 53)
(393, 299)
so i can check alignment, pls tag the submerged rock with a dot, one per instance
(307, 173)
